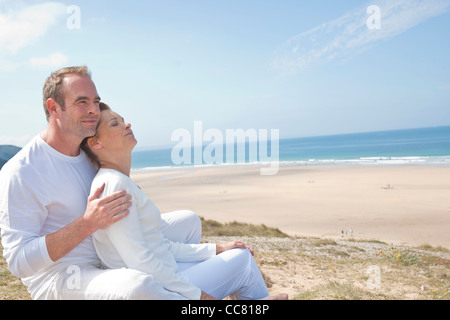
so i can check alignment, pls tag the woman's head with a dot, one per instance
(113, 137)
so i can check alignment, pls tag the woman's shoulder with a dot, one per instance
(113, 180)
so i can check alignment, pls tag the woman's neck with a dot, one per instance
(122, 165)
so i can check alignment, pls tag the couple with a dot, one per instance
(50, 234)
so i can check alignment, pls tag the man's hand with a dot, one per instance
(100, 213)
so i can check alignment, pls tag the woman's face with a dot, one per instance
(113, 133)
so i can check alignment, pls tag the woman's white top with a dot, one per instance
(136, 241)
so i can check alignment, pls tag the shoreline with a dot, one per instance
(398, 204)
(434, 161)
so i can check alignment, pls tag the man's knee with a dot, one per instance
(196, 226)
(182, 226)
(192, 223)
(193, 218)
(190, 216)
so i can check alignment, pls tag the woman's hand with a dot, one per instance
(232, 245)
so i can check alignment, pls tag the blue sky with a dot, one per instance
(306, 68)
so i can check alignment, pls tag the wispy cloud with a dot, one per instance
(26, 25)
(54, 60)
(350, 35)
(22, 25)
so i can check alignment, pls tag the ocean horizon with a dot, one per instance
(420, 146)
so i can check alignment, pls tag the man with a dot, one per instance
(46, 217)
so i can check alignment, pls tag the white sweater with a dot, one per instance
(42, 191)
(137, 242)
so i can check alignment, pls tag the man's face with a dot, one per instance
(82, 110)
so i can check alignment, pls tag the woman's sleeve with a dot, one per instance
(128, 240)
(186, 252)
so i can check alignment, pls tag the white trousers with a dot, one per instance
(232, 272)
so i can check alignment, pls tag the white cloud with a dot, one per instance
(9, 65)
(349, 34)
(54, 60)
(20, 27)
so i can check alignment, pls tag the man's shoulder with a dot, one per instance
(21, 161)
(19, 172)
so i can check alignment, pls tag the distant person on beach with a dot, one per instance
(206, 271)
(47, 216)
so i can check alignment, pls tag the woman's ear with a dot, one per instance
(94, 143)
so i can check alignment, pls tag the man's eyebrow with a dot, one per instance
(86, 98)
(81, 98)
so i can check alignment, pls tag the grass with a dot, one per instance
(11, 288)
(314, 269)
(238, 229)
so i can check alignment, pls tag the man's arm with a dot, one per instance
(100, 213)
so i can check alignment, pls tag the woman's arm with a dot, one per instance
(132, 249)
(187, 252)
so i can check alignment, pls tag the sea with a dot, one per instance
(421, 146)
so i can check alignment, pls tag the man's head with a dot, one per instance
(53, 86)
(71, 102)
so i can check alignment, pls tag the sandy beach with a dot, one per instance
(401, 205)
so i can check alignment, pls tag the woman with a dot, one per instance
(196, 271)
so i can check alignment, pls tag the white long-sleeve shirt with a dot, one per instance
(42, 191)
(137, 242)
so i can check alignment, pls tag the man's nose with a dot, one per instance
(94, 108)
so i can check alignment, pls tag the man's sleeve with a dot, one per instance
(21, 219)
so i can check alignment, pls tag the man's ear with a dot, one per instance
(53, 108)
(94, 143)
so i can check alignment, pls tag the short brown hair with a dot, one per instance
(53, 85)
(84, 145)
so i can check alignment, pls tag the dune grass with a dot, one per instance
(238, 229)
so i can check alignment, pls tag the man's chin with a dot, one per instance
(87, 133)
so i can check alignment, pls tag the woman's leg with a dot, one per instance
(233, 272)
(181, 226)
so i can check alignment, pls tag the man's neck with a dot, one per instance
(64, 144)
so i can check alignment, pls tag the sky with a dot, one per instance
(306, 68)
